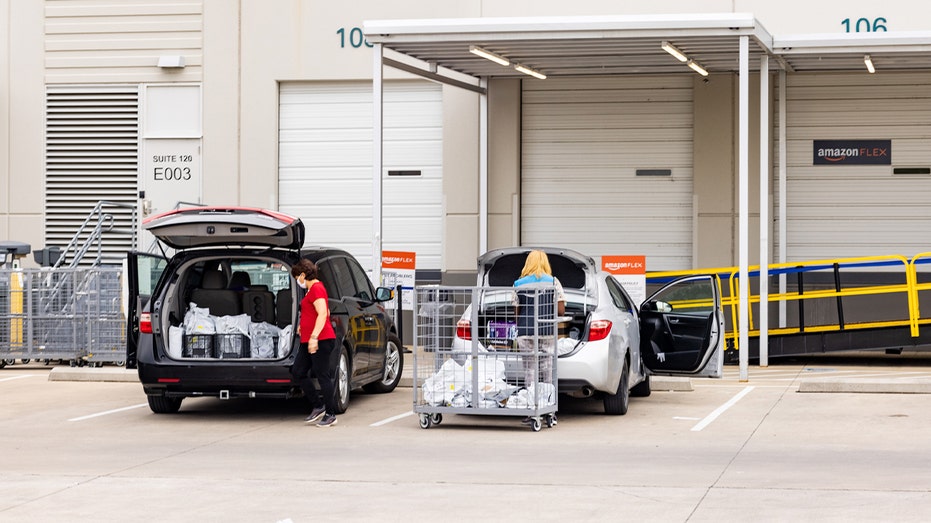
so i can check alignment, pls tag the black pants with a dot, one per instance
(320, 365)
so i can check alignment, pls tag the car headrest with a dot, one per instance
(240, 280)
(214, 280)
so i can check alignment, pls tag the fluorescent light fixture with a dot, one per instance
(671, 49)
(869, 64)
(697, 68)
(497, 58)
(531, 72)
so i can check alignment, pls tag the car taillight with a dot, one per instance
(599, 330)
(145, 323)
(464, 330)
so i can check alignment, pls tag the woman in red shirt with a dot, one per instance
(318, 343)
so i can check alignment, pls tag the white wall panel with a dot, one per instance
(118, 41)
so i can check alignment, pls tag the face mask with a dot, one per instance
(301, 284)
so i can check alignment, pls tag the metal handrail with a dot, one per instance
(909, 289)
(104, 223)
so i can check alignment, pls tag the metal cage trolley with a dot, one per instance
(485, 351)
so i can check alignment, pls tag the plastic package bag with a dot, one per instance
(442, 387)
(197, 320)
(263, 339)
(175, 342)
(565, 345)
(233, 335)
(285, 340)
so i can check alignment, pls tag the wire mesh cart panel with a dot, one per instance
(486, 351)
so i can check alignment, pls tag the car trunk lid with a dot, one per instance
(220, 226)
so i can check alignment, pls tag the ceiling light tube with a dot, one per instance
(697, 68)
(497, 58)
(531, 72)
(869, 64)
(671, 49)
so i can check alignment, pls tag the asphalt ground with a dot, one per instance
(712, 450)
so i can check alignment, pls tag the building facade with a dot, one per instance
(148, 105)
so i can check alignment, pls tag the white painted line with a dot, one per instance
(392, 418)
(17, 377)
(686, 418)
(114, 411)
(720, 410)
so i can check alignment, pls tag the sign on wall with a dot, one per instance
(852, 152)
(398, 268)
(631, 272)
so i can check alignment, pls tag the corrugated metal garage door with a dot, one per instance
(325, 166)
(858, 210)
(583, 141)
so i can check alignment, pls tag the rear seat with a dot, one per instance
(214, 295)
(259, 303)
(283, 307)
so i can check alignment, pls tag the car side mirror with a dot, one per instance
(657, 306)
(384, 294)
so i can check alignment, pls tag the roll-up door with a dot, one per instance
(584, 142)
(325, 166)
(858, 210)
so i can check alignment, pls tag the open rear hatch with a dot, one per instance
(220, 226)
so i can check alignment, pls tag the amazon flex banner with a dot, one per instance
(853, 152)
(630, 272)
(397, 268)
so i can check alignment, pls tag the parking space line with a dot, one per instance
(17, 377)
(114, 411)
(392, 418)
(720, 410)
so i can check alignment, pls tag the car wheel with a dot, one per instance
(394, 365)
(163, 405)
(342, 381)
(642, 389)
(616, 404)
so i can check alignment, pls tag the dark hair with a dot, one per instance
(304, 266)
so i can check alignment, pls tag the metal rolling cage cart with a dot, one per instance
(485, 351)
(66, 314)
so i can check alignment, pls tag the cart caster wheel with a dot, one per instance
(536, 425)
(73, 363)
(425, 421)
(2, 364)
(437, 418)
(551, 421)
(25, 361)
(9, 361)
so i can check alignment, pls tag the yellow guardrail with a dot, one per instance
(827, 285)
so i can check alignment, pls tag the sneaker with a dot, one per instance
(315, 415)
(327, 421)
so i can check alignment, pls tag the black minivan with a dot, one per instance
(218, 316)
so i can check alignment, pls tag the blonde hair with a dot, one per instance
(537, 264)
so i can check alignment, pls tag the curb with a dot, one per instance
(865, 386)
(116, 374)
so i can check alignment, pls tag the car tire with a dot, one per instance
(642, 389)
(343, 371)
(616, 404)
(163, 405)
(394, 366)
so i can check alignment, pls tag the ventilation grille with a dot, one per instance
(92, 155)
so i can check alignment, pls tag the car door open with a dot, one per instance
(682, 328)
(142, 273)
